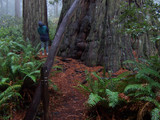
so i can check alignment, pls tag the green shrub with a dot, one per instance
(52, 29)
(17, 62)
(148, 83)
(102, 90)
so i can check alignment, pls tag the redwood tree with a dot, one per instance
(93, 37)
(33, 11)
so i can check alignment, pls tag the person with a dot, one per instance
(44, 36)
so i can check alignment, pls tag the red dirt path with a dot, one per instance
(69, 105)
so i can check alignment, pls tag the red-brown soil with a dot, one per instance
(70, 103)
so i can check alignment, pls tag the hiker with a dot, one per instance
(44, 36)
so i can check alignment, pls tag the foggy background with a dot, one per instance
(14, 8)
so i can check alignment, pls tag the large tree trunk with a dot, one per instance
(33, 11)
(93, 38)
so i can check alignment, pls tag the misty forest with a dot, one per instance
(79, 59)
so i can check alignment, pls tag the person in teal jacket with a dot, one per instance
(44, 36)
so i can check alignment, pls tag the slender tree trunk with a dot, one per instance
(6, 6)
(33, 11)
(1, 9)
(17, 8)
(56, 9)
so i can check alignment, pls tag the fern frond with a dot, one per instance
(4, 80)
(31, 75)
(9, 96)
(9, 89)
(85, 88)
(155, 114)
(148, 71)
(150, 99)
(94, 99)
(151, 81)
(136, 87)
(112, 98)
(121, 76)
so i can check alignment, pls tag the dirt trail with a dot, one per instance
(69, 104)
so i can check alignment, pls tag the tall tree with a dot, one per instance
(6, 6)
(56, 9)
(33, 11)
(1, 8)
(17, 9)
(92, 35)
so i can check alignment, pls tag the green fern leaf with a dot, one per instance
(94, 99)
(155, 114)
(31, 75)
(121, 76)
(9, 89)
(112, 97)
(4, 80)
(149, 71)
(133, 87)
(9, 96)
(85, 88)
(15, 68)
(150, 99)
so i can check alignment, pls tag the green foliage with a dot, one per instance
(155, 114)
(102, 90)
(94, 99)
(53, 1)
(9, 93)
(136, 21)
(147, 82)
(52, 28)
(142, 84)
(7, 21)
(17, 63)
(112, 97)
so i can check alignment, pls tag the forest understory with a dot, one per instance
(120, 39)
(69, 103)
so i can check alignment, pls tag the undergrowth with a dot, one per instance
(140, 84)
(17, 64)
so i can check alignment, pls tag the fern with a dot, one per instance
(10, 92)
(9, 96)
(94, 99)
(155, 114)
(31, 75)
(150, 99)
(148, 75)
(112, 98)
(98, 89)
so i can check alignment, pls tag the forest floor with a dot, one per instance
(67, 103)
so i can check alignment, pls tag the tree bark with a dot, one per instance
(33, 11)
(93, 37)
(17, 9)
(1, 9)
